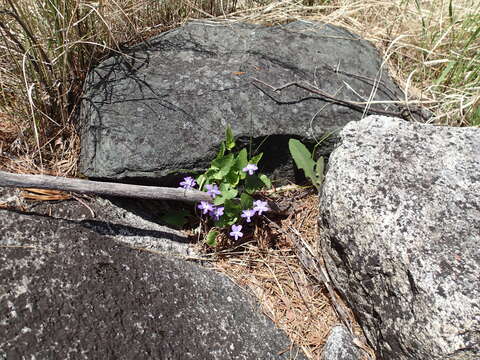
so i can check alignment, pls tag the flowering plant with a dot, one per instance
(231, 181)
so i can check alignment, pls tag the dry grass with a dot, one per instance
(269, 266)
(46, 50)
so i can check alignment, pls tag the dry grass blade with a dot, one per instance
(44, 195)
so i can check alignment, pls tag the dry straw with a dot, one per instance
(291, 295)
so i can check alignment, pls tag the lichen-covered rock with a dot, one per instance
(400, 232)
(163, 107)
(70, 292)
(340, 346)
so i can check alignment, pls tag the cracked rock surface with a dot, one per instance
(400, 231)
(163, 107)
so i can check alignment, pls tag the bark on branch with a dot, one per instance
(101, 188)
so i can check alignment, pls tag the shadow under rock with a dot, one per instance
(112, 229)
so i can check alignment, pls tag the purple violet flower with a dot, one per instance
(250, 168)
(248, 214)
(260, 206)
(205, 206)
(236, 233)
(217, 212)
(212, 190)
(188, 183)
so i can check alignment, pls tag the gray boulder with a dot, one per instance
(400, 232)
(162, 108)
(70, 292)
(340, 346)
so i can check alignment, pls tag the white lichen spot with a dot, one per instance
(11, 307)
(140, 328)
(187, 126)
(125, 267)
(22, 287)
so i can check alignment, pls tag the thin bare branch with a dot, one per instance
(102, 188)
(359, 106)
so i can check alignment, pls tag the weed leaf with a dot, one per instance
(211, 239)
(253, 183)
(264, 178)
(256, 159)
(229, 139)
(176, 218)
(224, 164)
(246, 201)
(319, 169)
(303, 159)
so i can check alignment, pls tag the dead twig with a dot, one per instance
(355, 105)
(319, 272)
(103, 188)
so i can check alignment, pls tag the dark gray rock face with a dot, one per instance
(164, 106)
(400, 232)
(105, 217)
(339, 346)
(68, 292)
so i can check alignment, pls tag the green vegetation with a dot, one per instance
(450, 54)
(303, 158)
(231, 181)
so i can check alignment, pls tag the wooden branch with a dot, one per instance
(325, 97)
(100, 188)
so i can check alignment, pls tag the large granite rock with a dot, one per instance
(340, 346)
(70, 292)
(164, 105)
(400, 232)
